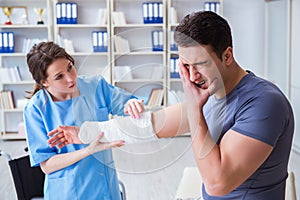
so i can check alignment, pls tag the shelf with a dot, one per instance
(21, 26)
(140, 81)
(25, 35)
(28, 82)
(89, 26)
(12, 136)
(20, 54)
(137, 25)
(16, 110)
(139, 53)
(89, 54)
(175, 80)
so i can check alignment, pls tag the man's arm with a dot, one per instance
(168, 122)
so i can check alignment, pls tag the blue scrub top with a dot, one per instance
(93, 177)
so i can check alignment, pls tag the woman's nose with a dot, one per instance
(69, 77)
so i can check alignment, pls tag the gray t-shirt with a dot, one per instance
(258, 109)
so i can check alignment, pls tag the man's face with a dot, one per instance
(202, 64)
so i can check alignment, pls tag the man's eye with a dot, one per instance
(186, 66)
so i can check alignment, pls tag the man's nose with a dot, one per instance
(194, 74)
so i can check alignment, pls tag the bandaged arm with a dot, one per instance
(120, 128)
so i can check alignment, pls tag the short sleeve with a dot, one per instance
(36, 134)
(115, 97)
(260, 118)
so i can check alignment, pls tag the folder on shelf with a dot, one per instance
(156, 97)
(66, 13)
(152, 12)
(58, 13)
(173, 16)
(63, 13)
(174, 70)
(11, 45)
(7, 99)
(102, 16)
(119, 18)
(7, 42)
(99, 41)
(160, 13)
(213, 6)
(157, 40)
(121, 45)
(74, 15)
(123, 73)
(1, 43)
(155, 12)
(173, 45)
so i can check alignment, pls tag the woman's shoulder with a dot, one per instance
(88, 79)
(88, 82)
(38, 99)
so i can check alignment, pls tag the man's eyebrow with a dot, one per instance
(200, 63)
(197, 63)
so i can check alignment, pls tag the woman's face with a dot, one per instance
(61, 79)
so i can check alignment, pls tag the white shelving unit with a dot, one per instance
(26, 29)
(177, 9)
(141, 60)
(146, 69)
(87, 62)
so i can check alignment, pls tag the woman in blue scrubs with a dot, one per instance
(60, 97)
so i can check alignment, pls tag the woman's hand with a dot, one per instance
(64, 135)
(97, 145)
(134, 107)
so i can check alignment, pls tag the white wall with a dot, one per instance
(295, 89)
(247, 19)
(295, 63)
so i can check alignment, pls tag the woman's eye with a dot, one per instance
(59, 77)
(70, 67)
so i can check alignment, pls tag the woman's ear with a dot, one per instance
(44, 84)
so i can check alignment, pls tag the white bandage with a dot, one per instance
(121, 128)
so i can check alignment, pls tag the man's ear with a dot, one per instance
(228, 55)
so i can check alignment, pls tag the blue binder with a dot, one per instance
(11, 45)
(74, 15)
(66, 13)
(58, 13)
(174, 71)
(7, 42)
(1, 43)
(173, 45)
(212, 6)
(99, 41)
(152, 12)
(157, 40)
